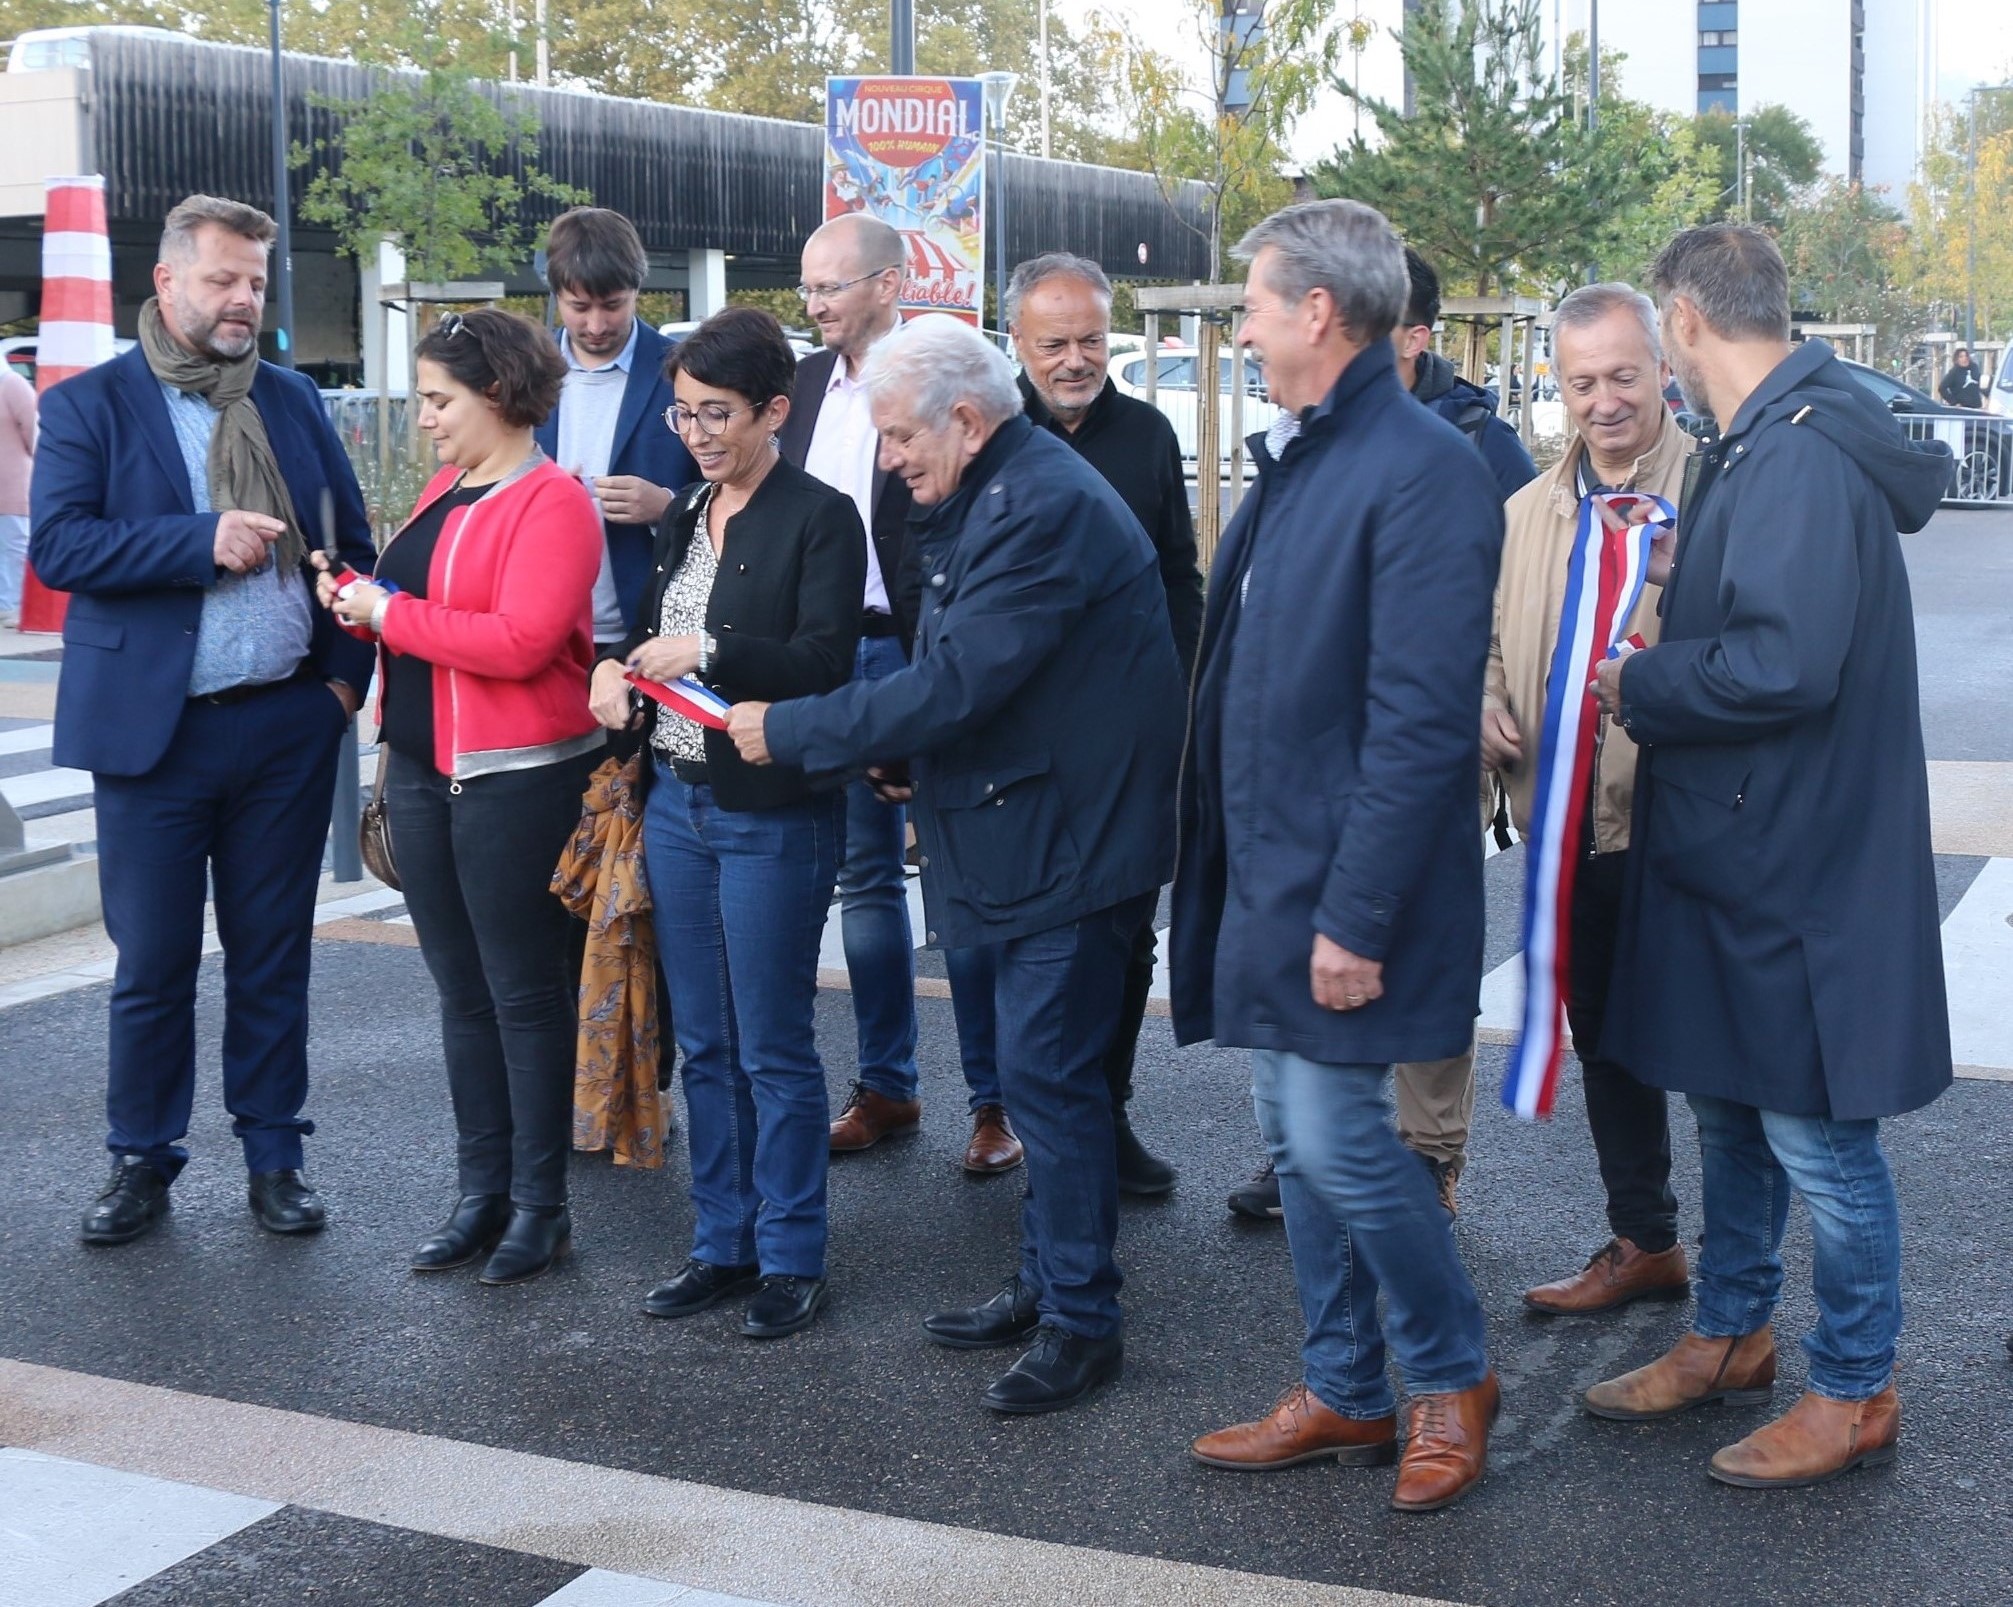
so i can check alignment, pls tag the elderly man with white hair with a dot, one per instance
(1038, 731)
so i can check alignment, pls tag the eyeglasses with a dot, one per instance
(450, 326)
(827, 292)
(711, 417)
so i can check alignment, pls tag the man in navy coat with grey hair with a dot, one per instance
(1328, 909)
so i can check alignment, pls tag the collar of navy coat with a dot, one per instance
(982, 477)
(1371, 370)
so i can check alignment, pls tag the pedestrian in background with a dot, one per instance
(851, 284)
(1960, 382)
(1037, 731)
(1780, 957)
(1608, 357)
(17, 462)
(483, 722)
(173, 491)
(1328, 912)
(756, 594)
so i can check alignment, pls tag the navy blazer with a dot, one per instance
(114, 524)
(1042, 713)
(645, 447)
(1335, 737)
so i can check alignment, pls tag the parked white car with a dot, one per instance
(1175, 394)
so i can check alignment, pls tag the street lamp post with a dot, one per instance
(999, 87)
(1971, 213)
(901, 37)
(283, 250)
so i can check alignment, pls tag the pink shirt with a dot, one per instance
(17, 440)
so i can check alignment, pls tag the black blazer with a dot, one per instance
(784, 613)
(892, 546)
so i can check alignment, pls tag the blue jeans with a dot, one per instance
(974, 974)
(874, 915)
(1751, 1160)
(1362, 1215)
(740, 900)
(1056, 996)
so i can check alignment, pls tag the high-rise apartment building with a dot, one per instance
(1858, 71)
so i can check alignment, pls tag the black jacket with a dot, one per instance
(785, 613)
(1042, 714)
(1471, 409)
(891, 495)
(1960, 387)
(1780, 944)
(1134, 447)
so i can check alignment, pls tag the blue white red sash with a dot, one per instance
(1604, 581)
(685, 696)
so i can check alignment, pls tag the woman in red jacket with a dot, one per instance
(484, 618)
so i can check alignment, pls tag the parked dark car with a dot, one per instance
(1981, 443)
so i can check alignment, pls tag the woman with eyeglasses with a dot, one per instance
(481, 605)
(756, 594)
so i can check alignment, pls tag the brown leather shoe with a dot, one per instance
(1446, 1446)
(870, 1117)
(1696, 1371)
(1617, 1274)
(1300, 1428)
(1816, 1439)
(993, 1147)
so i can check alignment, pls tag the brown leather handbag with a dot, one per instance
(373, 831)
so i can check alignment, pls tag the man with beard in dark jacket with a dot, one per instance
(1779, 959)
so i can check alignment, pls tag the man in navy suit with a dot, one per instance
(175, 492)
(609, 426)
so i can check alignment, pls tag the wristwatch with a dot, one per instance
(707, 648)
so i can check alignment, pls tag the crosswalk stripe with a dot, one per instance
(75, 1535)
(28, 739)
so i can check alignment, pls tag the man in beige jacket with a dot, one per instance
(1606, 353)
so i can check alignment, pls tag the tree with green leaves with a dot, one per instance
(1495, 175)
(1783, 156)
(427, 163)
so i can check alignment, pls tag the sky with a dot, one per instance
(1974, 39)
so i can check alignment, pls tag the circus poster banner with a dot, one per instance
(911, 152)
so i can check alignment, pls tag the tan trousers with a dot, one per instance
(1436, 1104)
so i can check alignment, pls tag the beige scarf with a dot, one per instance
(244, 474)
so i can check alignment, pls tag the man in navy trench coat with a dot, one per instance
(1328, 896)
(1779, 959)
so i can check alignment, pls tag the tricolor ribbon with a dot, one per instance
(685, 696)
(1604, 580)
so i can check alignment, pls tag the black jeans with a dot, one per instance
(1630, 1122)
(477, 866)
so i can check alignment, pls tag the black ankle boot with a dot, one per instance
(536, 1237)
(475, 1224)
(1141, 1173)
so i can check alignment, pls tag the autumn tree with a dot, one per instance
(1226, 127)
(1847, 252)
(1960, 221)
